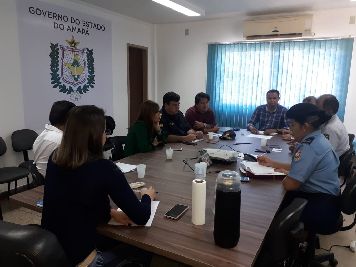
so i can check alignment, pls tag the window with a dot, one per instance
(239, 75)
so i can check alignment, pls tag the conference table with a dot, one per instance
(181, 240)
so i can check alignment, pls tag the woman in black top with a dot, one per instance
(78, 183)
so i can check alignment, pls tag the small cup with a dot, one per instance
(211, 136)
(204, 165)
(141, 169)
(169, 153)
(263, 142)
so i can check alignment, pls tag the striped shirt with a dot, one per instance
(269, 120)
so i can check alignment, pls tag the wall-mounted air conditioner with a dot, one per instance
(278, 27)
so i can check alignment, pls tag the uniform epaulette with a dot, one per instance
(309, 140)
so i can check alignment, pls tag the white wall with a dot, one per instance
(124, 30)
(182, 60)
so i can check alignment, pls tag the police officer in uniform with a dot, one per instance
(313, 172)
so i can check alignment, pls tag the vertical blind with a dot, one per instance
(239, 75)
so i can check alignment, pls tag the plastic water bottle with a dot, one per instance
(227, 209)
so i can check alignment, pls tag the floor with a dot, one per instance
(345, 257)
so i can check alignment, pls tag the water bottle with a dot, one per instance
(227, 209)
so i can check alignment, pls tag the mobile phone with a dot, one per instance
(176, 212)
(39, 203)
(244, 179)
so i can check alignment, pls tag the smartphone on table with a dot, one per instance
(176, 212)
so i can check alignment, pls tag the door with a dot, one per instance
(137, 79)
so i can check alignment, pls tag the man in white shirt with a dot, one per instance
(51, 137)
(334, 130)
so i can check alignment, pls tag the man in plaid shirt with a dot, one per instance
(271, 117)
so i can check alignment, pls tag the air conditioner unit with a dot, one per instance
(278, 27)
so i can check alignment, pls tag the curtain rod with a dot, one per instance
(284, 39)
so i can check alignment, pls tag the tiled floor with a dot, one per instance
(345, 257)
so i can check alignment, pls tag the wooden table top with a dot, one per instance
(181, 240)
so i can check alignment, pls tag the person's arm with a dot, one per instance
(265, 161)
(123, 196)
(176, 138)
(290, 183)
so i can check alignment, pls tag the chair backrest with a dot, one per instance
(278, 245)
(3, 147)
(23, 139)
(351, 139)
(345, 163)
(25, 245)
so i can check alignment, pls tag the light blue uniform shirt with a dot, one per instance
(315, 165)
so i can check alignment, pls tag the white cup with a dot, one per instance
(204, 166)
(141, 169)
(169, 153)
(211, 135)
(263, 142)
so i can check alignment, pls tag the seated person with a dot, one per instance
(313, 172)
(109, 130)
(145, 134)
(174, 122)
(200, 116)
(334, 130)
(51, 137)
(270, 118)
(78, 185)
(310, 99)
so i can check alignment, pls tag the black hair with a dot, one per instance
(201, 96)
(59, 112)
(308, 113)
(331, 104)
(170, 96)
(109, 125)
(310, 99)
(273, 91)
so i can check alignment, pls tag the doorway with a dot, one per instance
(136, 79)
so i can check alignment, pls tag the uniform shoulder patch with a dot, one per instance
(297, 155)
(327, 136)
(309, 140)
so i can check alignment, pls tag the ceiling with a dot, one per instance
(151, 12)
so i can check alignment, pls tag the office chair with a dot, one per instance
(29, 245)
(351, 140)
(22, 141)
(281, 245)
(116, 145)
(345, 166)
(348, 206)
(10, 174)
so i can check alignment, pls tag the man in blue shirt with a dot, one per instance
(269, 117)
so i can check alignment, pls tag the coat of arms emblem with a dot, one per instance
(72, 68)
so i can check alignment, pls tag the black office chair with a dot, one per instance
(25, 245)
(10, 174)
(37, 177)
(22, 141)
(116, 145)
(281, 245)
(351, 140)
(345, 166)
(348, 206)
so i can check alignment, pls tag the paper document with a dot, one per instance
(257, 169)
(260, 136)
(154, 206)
(125, 167)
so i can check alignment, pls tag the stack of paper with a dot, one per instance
(125, 167)
(260, 136)
(257, 169)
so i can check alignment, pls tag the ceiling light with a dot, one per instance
(182, 7)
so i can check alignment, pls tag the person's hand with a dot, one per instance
(157, 126)
(287, 137)
(199, 134)
(265, 161)
(270, 131)
(120, 217)
(189, 138)
(149, 191)
(199, 125)
(292, 147)
(155, 142)
(253, 129)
